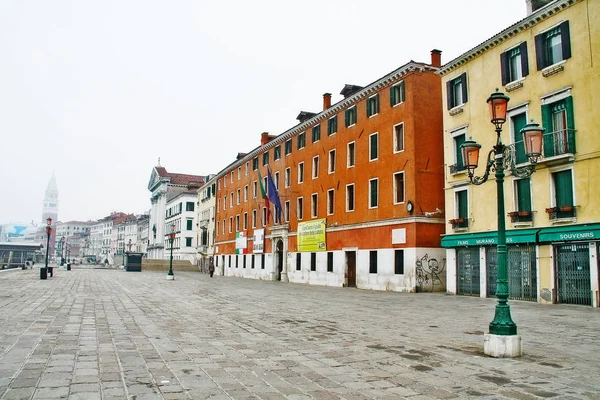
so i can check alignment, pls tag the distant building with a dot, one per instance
(164, 187)
(205, 217)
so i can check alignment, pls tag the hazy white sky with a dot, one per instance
(97, 90)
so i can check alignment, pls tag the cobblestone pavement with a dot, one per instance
(108, 334)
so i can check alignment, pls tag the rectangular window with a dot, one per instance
(246, 193)
(373, 193)
(316, 133)
(563, 189)
(329, 261)
(238, 196)
(246, 170)
(225, 181)
(351, 161)
(458, 140)
(557, 118)
(523, 195)
(399, 137)
(301, 140)
(300, 172)
(514, 64)
(553, 46)
(237, 223)
(397, 94)
(265, 158)
(332, 125)
(264, 216)
(245, 220)
(286, 211)
(276, 179)
(253, 218)
(399, 187)
(461, 208)
(189, 225)
(313, 261)
(254, 189)
(456, 91)
(300, 208)
(229, 261)
(287, 177)
(231, 176)
(239, 173)
(331, 164)
(254, 163)
(244, 261)
(373, 147)
(373, 261)
(298, 261)
(288, 147)
(230, 200)
(188, 242)
(262, 261)
(330, 201)
(351, 116)
(223, 227)
(314, 205)
(315, 167)
(373, 105)
(237, 261)
(399, 262)
(350, 197)
(218, 228)
(277, 152)
(189, 206)
(518, 122)
(252, 261)
(230, 224)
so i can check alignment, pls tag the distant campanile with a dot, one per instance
(50, 202)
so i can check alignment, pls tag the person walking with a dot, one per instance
(211, 268)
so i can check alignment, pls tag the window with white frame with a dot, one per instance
(373, 105)
(264, 216)
(351, 158)
(398, 187)
(553, 45)
(330, 201)
(288, 177)
(286, 211)
(373, 193)
(514, 64)
(373, 146)
(300, 172)
(315, 167)
(397, 94)
(239, 173)
(254, 189)
(350, 116)
(237, 223)
(277, 180)
(239, 192)
(331, 163)
(399, 137)
(314, 205)
(456, 91)
(246, 193)
(300, 208)
(253, 218)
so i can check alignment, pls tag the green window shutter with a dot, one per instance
(373, 193)
(369, 108)
(563, 187)
(463, 206)
(374, 147)
(519, 122)
(524, 59)
(463, 79)
(377, 104)
(504, 68)
(548, 137)
(459, 140)
(570, 123)
(402, 91)
(565, 40)
(449, 96)
(524, 195)
(347, 117)
(392, 96)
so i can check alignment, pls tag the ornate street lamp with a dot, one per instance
(44, 270)
(170, 275)
(62, 251)
(502, 341)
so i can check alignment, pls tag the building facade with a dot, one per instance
(205, 217)
(545, 64)
(180, 218)
(360, 186)
(164, 186)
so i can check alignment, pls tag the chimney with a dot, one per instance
(264, 138)
(534, 5)
(436, 58)
(326, 101)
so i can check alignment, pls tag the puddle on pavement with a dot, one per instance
(498, 380)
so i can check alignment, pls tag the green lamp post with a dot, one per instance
(170, 275)
(44, 269)
(502, 340)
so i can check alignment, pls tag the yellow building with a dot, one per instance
(549, 65)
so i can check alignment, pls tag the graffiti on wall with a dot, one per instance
(429, 272)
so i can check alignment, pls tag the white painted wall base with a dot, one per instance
(502, 346)
(170, 277)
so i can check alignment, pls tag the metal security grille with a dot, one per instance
(467, 261)
(522, 274)
(573, 274)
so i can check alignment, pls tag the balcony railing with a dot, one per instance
(561, 212)
(459, 223)
(559, 143)
(521, 216)
(203, 222)
(202, 249)
(457, 168)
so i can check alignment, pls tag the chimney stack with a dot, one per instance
(264, 138)
(326, 101)
(436, 58)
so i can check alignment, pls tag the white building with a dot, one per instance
(180, 217)
(142, 234)
(205, 215)
(96, 236)
(165, 186)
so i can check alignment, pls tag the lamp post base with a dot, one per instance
(170, 277)
(501, 346)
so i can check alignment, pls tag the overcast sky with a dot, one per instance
(98, 90)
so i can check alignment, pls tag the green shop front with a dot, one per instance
(554, 265)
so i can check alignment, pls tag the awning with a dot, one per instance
(569, 233)
(513, 236)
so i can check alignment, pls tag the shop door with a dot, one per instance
(467, 261)
(522, 273)
(572, 268)
(351, 263)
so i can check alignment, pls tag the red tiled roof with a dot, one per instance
(181, 179)
(162, 171)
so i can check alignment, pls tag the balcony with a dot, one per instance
(521, 216)
(561, 213)
(459, 223)
(457, 168)
(202, 249)
(203, 223)
(559, 147)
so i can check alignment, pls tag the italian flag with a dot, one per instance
(264, 196)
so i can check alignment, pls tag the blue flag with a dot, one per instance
(272, 194)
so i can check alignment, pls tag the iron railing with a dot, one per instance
(521, 216)
(456, 168)
(559, 142)
(561, 212)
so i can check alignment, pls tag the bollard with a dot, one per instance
(68, 266)
(43, 273)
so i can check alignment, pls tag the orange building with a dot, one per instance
(361, 189)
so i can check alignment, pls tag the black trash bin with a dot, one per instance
(68, 266)
(43, 273)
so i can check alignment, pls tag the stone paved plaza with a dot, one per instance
(108, 334)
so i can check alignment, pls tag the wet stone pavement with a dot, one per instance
(108, 334)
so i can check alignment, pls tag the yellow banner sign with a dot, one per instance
(311, 236)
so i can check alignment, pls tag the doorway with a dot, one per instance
(351, 269)
(279, 258)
